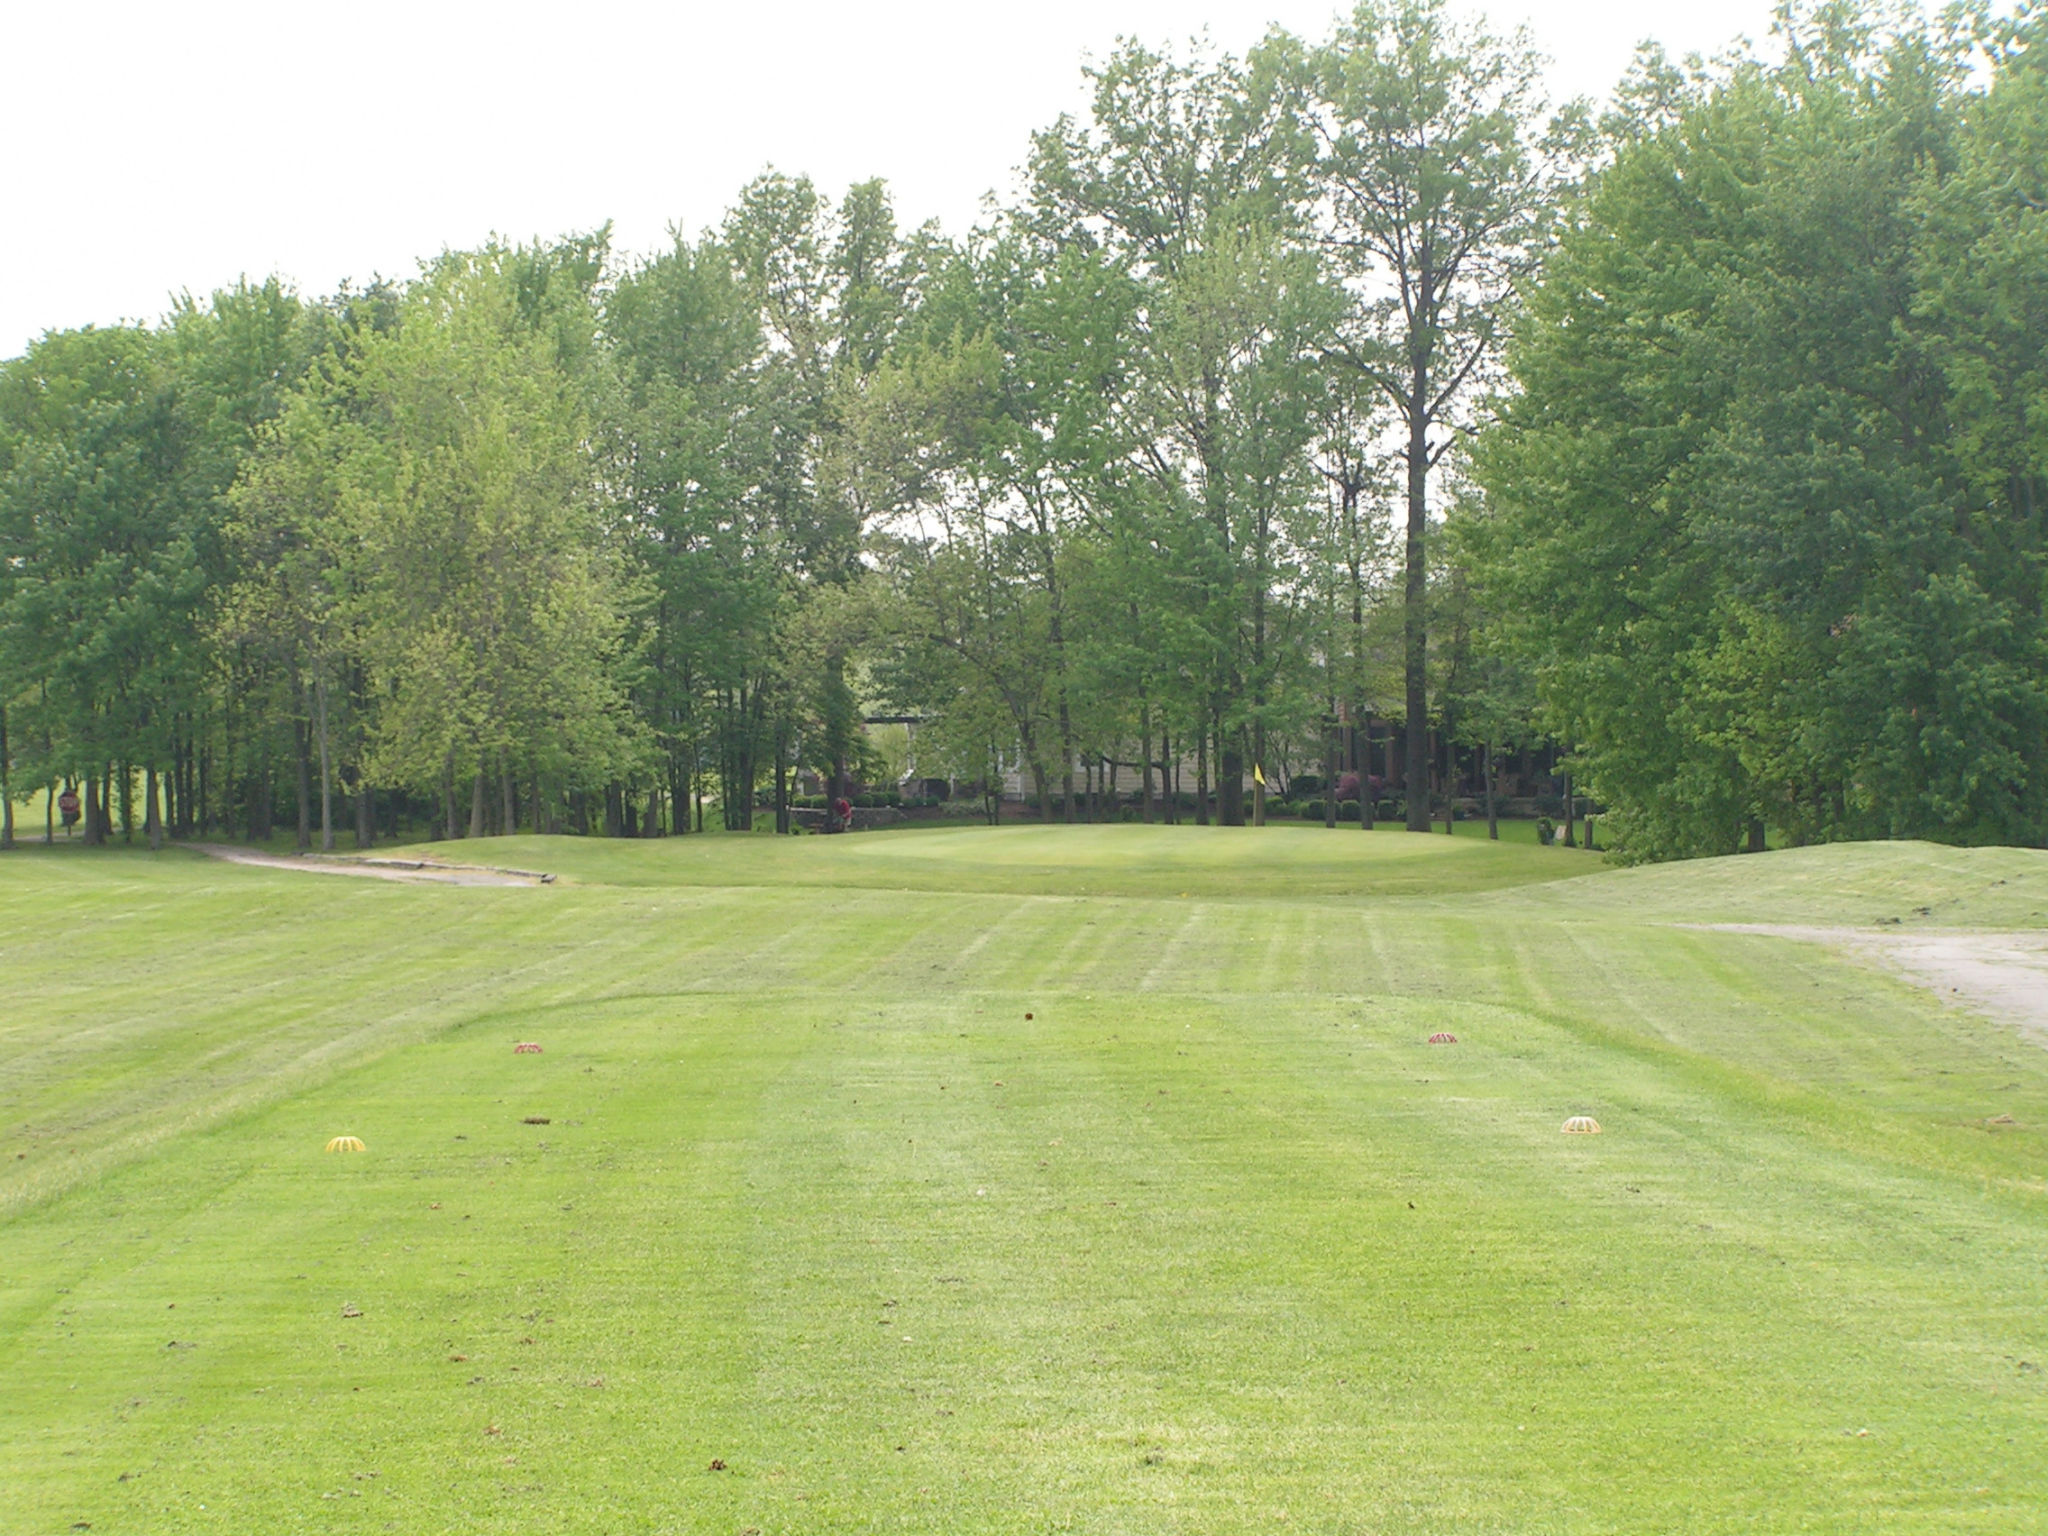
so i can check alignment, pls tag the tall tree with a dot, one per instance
(833, 287)
(1182, 177)
(1762, 539)
(104, 581)
(693, 453)
(1435, 187)
(493, 606)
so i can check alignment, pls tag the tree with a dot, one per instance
(1746, 508)
(104, 579)
(1434, 190)
(692, 448)
(492, 603)
(833, 288)
(1183, 180)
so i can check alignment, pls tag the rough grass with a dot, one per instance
(1210, 1242)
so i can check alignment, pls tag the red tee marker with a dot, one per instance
(526, 1048)
(1443, 1037)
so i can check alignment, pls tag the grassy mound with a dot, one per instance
(1914, 885)
(1048, 1178)
(1284, 862)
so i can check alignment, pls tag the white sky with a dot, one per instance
(170, 146)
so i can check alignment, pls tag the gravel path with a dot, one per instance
(424, 870)
(2004, 975)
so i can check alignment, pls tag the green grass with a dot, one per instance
(1285, 862)
(1210, 1242)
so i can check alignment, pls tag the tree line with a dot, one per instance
(1338, 412)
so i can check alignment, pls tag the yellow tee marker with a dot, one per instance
(345, 1144)
(1582, 1125)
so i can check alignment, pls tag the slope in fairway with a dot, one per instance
(1039, 1179)
(1291, 861)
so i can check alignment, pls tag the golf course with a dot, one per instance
(1034, 1179)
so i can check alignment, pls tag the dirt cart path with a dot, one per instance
(425, 870)
(2004, 975)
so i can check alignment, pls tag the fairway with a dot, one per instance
(1033, 1179)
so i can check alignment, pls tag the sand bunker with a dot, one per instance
(425, 870)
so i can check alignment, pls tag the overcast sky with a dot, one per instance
(172, 146)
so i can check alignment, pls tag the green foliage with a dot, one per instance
(1757, 515)
(1163, 476)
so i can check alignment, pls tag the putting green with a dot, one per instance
(1089, 1179)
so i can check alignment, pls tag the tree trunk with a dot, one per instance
(366, 814)
(301, 752)
(95, 813)
(266, 800)
(1044, 782)
(508, 800)
(476, 801)
(152, 823)
(126, 783)
(1571, 806)
(1368, 803)
(1450, 783)
(1414, 616)
(839, 728)
(448, 797)
(1330, 751)
(167, 785)
(228, 781)
(186, 820)
(1229, 776)
(326, 765)
(781, 778)
(1259, 772)
(1066, 760)
(6, 788)
(1202, 775)
(1145, 751)
(1492, 790)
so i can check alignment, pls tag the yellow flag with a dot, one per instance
(1258, 776)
